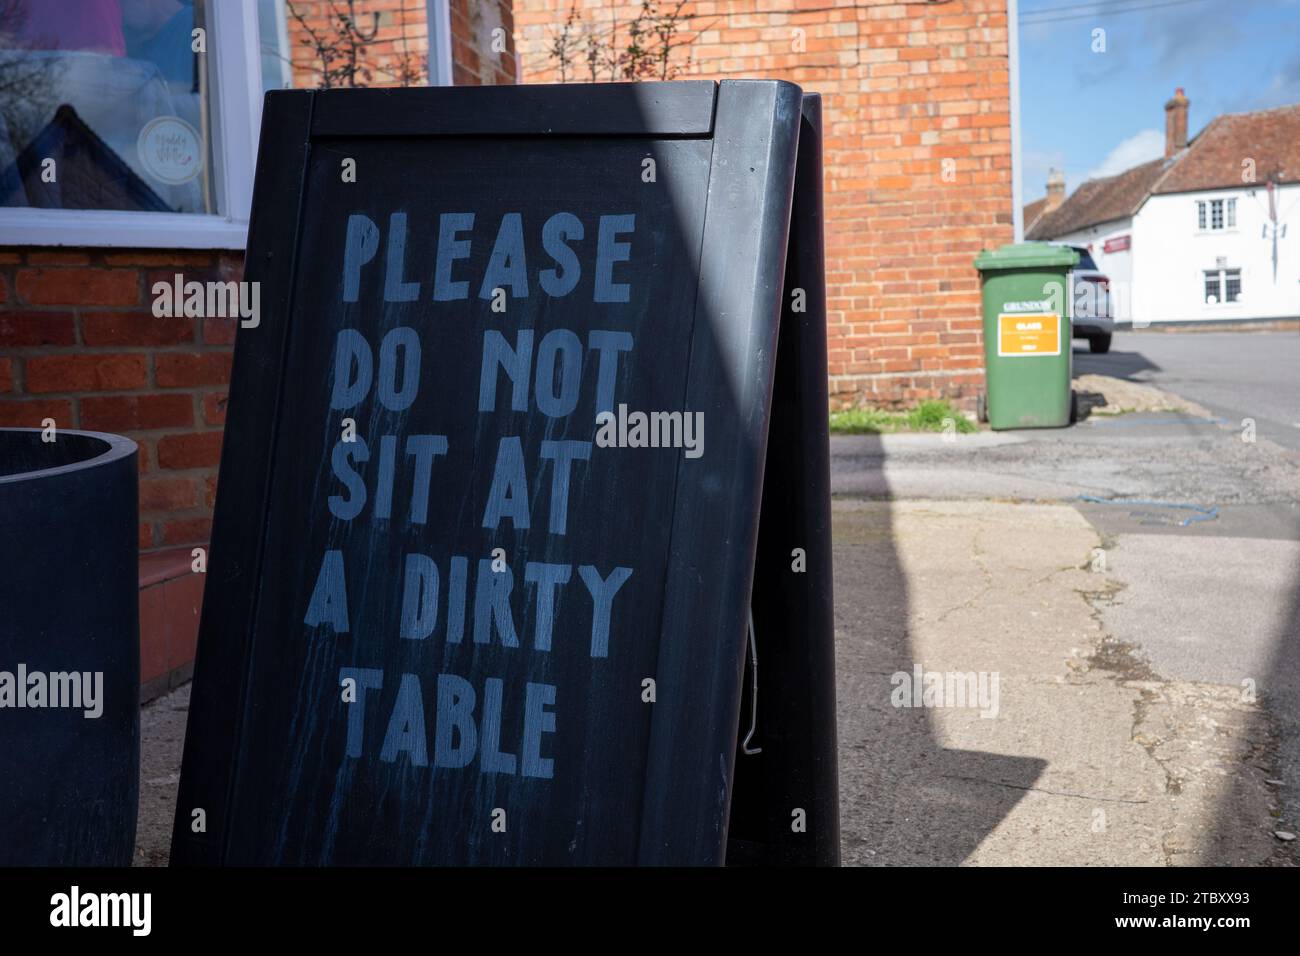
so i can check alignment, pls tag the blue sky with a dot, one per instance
(1098, 113)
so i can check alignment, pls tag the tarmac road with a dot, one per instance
(1236, 375)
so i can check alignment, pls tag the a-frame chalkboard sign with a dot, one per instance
(488, 511)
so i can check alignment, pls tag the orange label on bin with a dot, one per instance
(1029, 333)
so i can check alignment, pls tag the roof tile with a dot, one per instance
(1214, 160)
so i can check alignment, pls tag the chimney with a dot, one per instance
(1176, 123)
(1055, 190)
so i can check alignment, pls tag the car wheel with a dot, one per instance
(1099, 344)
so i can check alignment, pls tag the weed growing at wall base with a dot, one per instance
(927, 417)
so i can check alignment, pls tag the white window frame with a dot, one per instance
(1221, 274)
(281, 30)
(439, 13)
(235, 58)
(1205, 212)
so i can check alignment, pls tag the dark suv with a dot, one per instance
(1093, 319)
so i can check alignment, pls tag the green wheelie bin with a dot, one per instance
(1027, 334)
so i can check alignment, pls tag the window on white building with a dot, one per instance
(1216, 214)
(1222, 286)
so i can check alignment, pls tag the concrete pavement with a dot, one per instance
(1087, 759)
(162, 742)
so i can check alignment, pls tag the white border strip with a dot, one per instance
(439, 12)
(1013, 74)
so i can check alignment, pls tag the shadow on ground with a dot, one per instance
(1116, 363)
(1085, 402)
(905, 798)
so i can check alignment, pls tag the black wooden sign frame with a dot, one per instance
(754, 130)
(791, 766)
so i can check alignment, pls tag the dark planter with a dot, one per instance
(69, 782)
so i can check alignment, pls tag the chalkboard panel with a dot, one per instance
(440, 577)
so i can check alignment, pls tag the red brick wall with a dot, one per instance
(905, 87)
(79, 344)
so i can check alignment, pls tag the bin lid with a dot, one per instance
(1026, 255)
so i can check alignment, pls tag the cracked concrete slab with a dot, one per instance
(1091, 759)
(1178, 602)
(1220, 613)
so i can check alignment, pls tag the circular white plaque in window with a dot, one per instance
(170, 150)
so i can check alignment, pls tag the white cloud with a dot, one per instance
(1284, 89)
(1139, 148)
